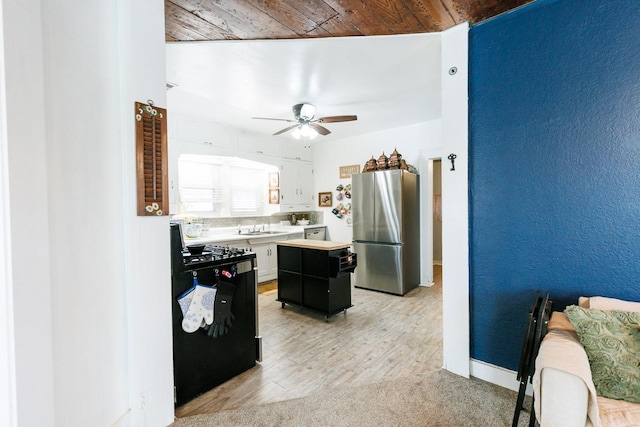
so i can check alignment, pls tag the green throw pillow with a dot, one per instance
(612, 341)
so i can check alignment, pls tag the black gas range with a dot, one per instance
(201, 362)
(214, 254)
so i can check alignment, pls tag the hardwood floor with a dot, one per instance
(268, 288)
(381, 337)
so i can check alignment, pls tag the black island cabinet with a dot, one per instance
(314, 274)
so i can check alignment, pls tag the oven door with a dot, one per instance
(200, 362)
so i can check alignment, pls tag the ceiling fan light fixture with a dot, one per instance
(307, 111)
(305, 125)
(307, 131)
(304, 131)
(296, 133)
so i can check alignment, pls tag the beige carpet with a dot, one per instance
(438, 398)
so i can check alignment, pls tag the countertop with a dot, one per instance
(230, 234)
(323, 245)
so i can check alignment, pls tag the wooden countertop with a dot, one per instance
(323, 245)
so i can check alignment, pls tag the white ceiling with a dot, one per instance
(387, 81)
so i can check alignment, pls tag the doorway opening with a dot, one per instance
(437, 211)
(431, 227)
(431, 218)
(436, 217)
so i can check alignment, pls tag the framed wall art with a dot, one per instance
(274, 180)
(274, 196)
(325, 200)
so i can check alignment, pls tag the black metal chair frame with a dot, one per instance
(536, 329)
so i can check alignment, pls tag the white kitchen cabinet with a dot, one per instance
(266, 251)
(305, 181)
(296, 186)
(205, 133)
(258, 145)
(296, 150)
(267, 258)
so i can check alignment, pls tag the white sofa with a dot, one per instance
(562, 385)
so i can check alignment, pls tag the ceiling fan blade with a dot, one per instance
(335, 119)
(270, 118)
(286, 129)
(320, 129)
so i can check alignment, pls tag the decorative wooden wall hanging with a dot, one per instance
(151, 159)
(347, 171)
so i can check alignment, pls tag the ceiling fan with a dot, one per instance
(305, 124)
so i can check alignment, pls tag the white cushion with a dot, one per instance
(565, 402)
(606, 303)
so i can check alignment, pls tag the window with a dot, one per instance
(223, 186)
(247, 191)
(200, 185)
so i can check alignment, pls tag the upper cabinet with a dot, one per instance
(205, 133)
(296, 150)
(193, 135)
(296, 180)
(296, 186)
(258, 145)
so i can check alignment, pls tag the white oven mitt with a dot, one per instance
(184, 300)
(200, 311)
(207, 304)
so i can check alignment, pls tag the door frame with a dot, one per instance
(455, 199)
(426, 218)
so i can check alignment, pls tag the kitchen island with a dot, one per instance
(314, 275)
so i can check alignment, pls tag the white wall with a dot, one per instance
(27, 290)
(146, 240)
(329, 156)
(90, 336)
(455, 202)
(89, 288)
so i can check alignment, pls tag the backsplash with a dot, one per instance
(275, 219)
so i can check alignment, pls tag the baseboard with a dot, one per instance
(497, 375)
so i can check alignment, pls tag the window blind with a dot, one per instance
(200, 185)
(247, 191)
(222, 187)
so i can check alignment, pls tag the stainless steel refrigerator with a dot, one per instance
(386, 230)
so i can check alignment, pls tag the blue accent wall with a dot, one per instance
(554, 158)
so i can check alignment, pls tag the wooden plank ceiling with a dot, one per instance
(292, 19)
